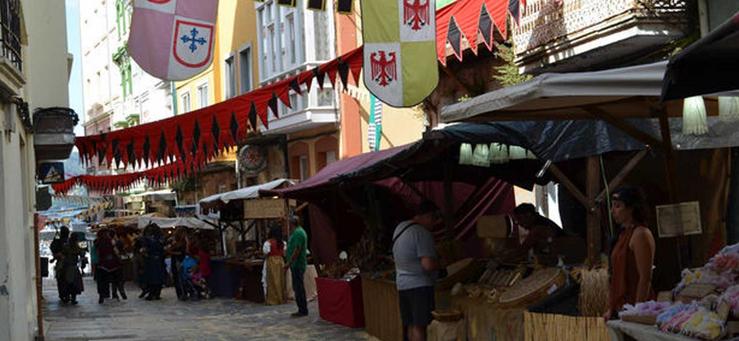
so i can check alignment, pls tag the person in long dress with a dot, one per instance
(274, 267)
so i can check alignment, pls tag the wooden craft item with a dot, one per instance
(492, 226)
(447, 315)
(723, 310)
(533, 288)
(664, 296)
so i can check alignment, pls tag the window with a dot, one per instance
(291, 47)
(321, 29)
(185, 102)
(304, 171)
(230, 78)
(203, 95)
(245, 70)
(326, 97)
(330, 157)
(123, 15)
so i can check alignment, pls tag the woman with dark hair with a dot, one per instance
(274, 267)
(632, 256)
(67, 253)
(152, 249)
(108, 263)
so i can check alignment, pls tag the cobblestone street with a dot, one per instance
(170, 319)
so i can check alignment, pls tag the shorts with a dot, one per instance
(416, 306)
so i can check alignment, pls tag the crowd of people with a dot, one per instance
(182, 260)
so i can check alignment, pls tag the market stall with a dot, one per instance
(239, 272)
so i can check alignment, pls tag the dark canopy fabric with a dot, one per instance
(708, 66)
(426, 159)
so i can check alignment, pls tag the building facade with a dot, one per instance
(33, 68)
(117, 92)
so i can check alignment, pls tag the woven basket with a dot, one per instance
(533, 288)
(447, 315)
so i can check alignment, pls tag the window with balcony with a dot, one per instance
(123, 16)
(186, 105)
(230, 77)
(11, 31)
(245, 70)
(123, 61)
(291, 44)
(203, 95)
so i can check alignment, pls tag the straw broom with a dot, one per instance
(593, 300)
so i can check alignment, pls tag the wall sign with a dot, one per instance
(51, 172)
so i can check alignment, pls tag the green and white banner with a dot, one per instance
(400, 50)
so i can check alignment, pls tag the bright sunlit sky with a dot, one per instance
(73, 47)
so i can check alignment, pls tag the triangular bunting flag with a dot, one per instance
(253, 116)
(273, 106)
(320, 76)
(486, 27)
(295, 86)
(343, 68)
(454, 36)
(216, 131)
(179, 140)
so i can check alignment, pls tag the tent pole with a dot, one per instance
(448, 202)
(593, 211)
(619, 178)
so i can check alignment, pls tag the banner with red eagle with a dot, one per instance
(400, 50)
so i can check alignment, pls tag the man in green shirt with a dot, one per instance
(297, 248)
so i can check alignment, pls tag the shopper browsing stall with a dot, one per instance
(416, 263)
(297, 262)
(632, 256)
(541, 230)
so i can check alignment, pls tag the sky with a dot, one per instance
(73, 47)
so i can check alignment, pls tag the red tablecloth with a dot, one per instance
(340, 301)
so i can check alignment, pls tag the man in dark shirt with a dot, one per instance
(541, 230)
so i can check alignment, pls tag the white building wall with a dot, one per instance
(45, 71)
(150, 99)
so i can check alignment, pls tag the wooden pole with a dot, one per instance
(593, 212)
(448, 203)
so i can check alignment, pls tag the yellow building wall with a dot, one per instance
(237, 28)
(399, 125)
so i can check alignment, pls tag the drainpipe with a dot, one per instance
(173, 91)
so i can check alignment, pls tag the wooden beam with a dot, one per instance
(670, 167)
(593, 214)
(619, 178)
(564, 180)
(624, 126)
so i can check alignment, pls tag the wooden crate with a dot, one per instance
(381, 309)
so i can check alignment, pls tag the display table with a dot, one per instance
(485, 321)
(340, 301)
(640, 332)
(250, 279)
(224, 278)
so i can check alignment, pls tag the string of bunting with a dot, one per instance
(154, 177)
(194, 138)
(466, 19)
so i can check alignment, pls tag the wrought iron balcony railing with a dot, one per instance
(10, 26)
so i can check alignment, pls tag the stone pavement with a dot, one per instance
(170, 319)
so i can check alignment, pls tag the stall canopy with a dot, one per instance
(707, 66)
(251, 192)
(188, 222)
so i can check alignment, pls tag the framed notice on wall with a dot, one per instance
(265, 208)
(679, 219)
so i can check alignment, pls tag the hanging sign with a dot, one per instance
(400, 50)
(679, 219)
(173, 39)
(264, 208)
(51, 172)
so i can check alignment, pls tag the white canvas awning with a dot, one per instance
(193, 223)
(243, 193)
(554, 95)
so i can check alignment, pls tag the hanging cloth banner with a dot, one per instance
(374, 134)
(400, 50)
(173, 39)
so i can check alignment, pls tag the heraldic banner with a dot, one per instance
(400, 65)
(173, 39)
